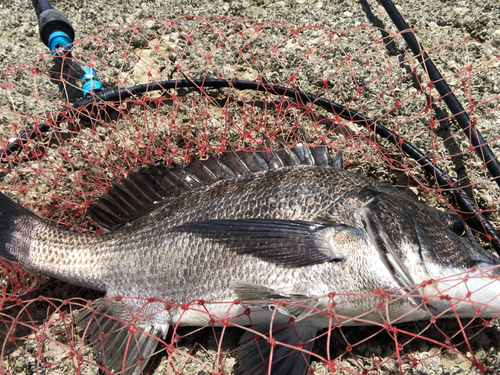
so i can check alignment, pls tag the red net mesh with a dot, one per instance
(58, 172)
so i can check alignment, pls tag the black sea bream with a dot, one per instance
(254, 226)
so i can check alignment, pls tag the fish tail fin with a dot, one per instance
(10, 212)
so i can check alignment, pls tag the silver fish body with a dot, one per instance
(294, 234)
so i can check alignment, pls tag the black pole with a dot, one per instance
(40, 6)
(480, 146)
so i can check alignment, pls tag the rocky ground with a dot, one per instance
(448, 20)
(445, 20)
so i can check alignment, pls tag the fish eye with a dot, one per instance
(455, 223)
(458, 226)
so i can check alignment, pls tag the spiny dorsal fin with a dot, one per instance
(138, 191)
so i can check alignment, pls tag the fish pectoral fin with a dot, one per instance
(299, 307)
(256, 354)
(290, 243)
(117, 347)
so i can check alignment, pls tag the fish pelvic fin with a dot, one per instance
(300, 305)
(286, 349)
(15, 223)
(120, 346)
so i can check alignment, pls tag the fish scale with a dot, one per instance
(265, 225)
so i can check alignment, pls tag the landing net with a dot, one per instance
(57, 170)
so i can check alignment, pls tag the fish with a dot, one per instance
(274, 238)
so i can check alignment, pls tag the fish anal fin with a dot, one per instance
(119, 346)
(290, 243)
(256, 354)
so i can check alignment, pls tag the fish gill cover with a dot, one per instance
(58, 172)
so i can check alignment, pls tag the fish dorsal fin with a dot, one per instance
(131, 195)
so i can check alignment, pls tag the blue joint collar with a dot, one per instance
(59, 39)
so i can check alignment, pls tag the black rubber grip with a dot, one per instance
(53, 20)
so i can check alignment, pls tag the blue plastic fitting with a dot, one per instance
(90, 82)
(59, 39)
